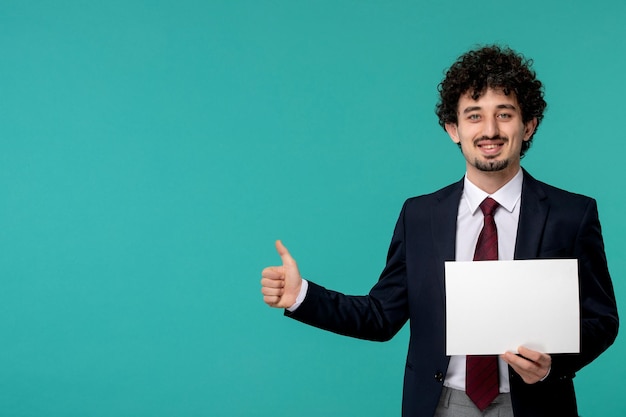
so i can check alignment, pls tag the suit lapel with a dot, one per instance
(533, 215)
(444, 219)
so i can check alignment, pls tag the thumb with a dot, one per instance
(285, 256)
(292, 278)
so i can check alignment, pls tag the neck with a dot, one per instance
(491, 181)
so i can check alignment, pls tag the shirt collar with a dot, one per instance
(507, 196)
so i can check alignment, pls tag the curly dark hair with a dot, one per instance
(491, 67)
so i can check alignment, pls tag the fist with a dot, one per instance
(280, 285)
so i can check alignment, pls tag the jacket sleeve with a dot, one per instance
(377, 316)
(598, 309)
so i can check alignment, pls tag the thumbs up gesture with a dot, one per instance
(280, 285)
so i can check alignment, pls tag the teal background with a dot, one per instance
(152, 151)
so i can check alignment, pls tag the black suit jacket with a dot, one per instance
(553, 224)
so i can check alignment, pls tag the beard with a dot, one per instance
(491, 166)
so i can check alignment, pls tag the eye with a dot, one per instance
(474, 116)
(505, 116)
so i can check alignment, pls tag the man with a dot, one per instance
(490, 105)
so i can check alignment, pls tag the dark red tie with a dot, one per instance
(481, 379)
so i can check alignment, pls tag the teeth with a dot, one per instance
(489, 146)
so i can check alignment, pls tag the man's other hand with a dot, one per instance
(531, 365)
(280, 285)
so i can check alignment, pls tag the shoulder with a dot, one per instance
(554, 194)
(441, 205)
(560, 206)
(444, 195)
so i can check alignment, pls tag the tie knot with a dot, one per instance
(489, 206)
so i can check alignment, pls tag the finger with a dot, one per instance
(284, 253)
(272, 283)
(512, 359)
(273, 272)
(274, 292)
(533, 355)
(271, 300)
(528, 353)
(518, 362)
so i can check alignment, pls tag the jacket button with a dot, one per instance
(439, 376)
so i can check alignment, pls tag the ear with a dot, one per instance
(453, 132)
(529, 128)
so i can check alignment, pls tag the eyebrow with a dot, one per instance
(499, 106)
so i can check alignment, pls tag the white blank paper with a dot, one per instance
(496, 306)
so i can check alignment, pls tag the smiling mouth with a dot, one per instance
(490, 146)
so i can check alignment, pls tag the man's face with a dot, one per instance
(490, 131)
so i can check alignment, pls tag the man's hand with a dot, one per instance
(531, 365)
(280, 285)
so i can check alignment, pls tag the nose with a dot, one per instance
(490, 128)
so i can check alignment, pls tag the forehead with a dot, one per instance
(490, 98)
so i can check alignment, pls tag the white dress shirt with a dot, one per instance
(470, 220)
